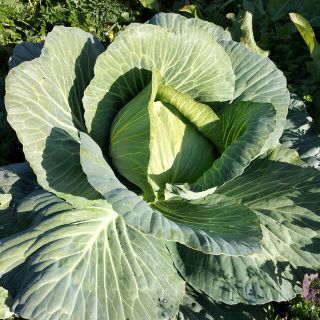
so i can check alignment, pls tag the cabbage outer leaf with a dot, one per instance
(220, 224)
(290, 219)
(198, 306)
(86, 263)
(59, 262)
(43, 101)
(172, 22)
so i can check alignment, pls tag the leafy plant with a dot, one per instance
(275, 32)
(243, 32)
(309, 37)
(105, 12)
(31, 20)
(313, 66)
(157, 165)
(296, 309)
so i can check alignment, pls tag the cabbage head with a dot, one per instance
(156, 177)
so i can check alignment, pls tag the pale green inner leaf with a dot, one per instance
(129, 141)
(178, 152)
(245, 128)
(201, 115)
(152, 143)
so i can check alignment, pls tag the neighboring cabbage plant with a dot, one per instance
(302, 133)
(158, 186)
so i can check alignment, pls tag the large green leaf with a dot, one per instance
(286, 199)
(257, 78)
(198, 306)
(43, 101)
(87, 264)
(219, 224)
(182, 62)
(226, 235)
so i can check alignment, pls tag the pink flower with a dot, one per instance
(311, 288)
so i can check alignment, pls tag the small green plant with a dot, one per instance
(308, 35)
(296, 309)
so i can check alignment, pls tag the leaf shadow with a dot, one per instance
(61, 162)
(124, 89)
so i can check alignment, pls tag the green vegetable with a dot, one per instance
(160, 154)
(242, 29)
